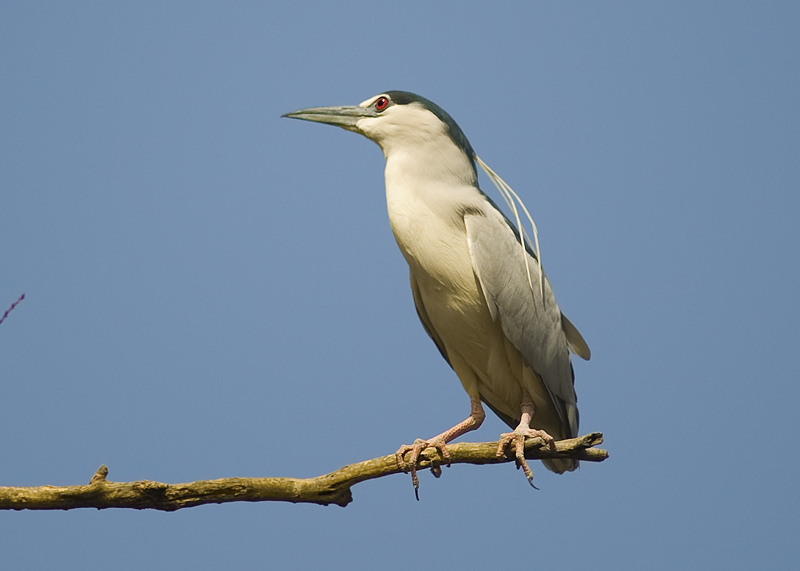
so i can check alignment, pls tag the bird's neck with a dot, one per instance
(424, 196)
(430, 163)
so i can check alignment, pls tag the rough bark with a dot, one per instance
(333, 488)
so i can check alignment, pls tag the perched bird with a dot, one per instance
(478, 286)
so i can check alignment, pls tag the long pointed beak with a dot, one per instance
(344, 117)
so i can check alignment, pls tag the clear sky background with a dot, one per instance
(213, 291)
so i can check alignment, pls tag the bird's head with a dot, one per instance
(395, 120)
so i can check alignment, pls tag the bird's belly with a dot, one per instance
(461, 318)
(439, 259)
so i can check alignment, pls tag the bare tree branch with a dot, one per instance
(333, 488)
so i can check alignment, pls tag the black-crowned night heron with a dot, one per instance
(478, 286)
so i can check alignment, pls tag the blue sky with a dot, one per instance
(214, 291)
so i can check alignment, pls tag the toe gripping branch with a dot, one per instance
(442, 455)
(533, 448)
(519, 437)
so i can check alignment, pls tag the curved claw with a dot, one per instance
(518, 437)
(472, 422)
(416, 449)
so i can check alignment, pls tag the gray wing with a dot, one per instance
(532, 322)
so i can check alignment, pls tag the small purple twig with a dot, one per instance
(13, 305)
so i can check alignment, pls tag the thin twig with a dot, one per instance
(13, 305)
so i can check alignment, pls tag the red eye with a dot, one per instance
(381, 103)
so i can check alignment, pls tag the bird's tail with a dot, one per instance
(560, 465)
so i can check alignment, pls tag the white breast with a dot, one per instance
(428, 225)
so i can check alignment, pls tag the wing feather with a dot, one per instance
(531, 321)
(575, 340)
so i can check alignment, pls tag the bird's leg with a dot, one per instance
(472, 422)
(522, 432)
